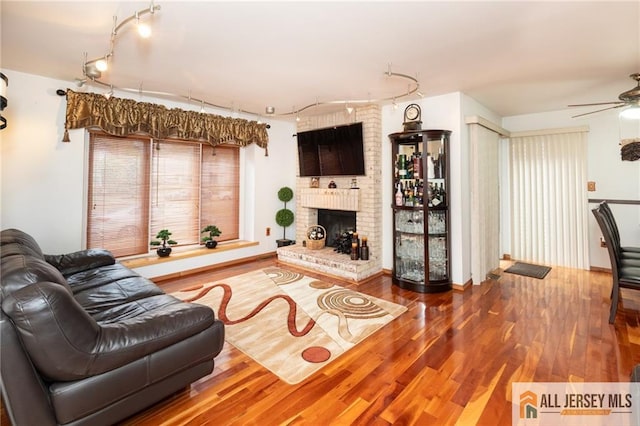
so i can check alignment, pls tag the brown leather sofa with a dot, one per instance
(85, 340)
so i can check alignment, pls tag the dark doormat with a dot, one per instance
(528, 270)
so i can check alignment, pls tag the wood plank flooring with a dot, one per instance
(450, 359)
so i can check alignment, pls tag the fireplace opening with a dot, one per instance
(335, 222)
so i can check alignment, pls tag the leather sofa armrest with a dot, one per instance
(65, 343)
(72, 263)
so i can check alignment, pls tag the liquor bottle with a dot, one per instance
(364, 249)
(409, 168)
(354, 251)
(417, 167)
(430, 168)
(399, 195)
(443, 195)
(436, 201)
(402, 166)
(408, 201)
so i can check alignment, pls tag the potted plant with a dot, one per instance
(284, 216)
(163, 238)
(208, 239)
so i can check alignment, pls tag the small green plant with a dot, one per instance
(213, 231)
(284, 216)
(163, 238)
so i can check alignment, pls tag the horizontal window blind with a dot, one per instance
(220, 195)
(175, 190)
(118, 195)
(137, 188)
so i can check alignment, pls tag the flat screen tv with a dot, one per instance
(333, 151)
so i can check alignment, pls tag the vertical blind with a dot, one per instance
(549, 205)
(136, 188)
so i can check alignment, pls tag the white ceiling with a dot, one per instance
(513, 57)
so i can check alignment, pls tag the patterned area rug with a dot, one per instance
(290, 323)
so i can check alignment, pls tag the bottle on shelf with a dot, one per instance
(399, 195)
(417, 165)
(402, 166)
(431, 174)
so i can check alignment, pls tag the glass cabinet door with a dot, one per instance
(420, 210)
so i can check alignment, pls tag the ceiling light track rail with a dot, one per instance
(92, 73)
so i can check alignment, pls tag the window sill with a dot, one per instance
(177, 254)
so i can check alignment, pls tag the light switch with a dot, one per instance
(591, 186)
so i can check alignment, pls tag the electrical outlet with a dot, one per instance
(268, 231)
(591, 186)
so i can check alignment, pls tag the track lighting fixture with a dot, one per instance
(144, 30)
(101, 64)
(93, 69)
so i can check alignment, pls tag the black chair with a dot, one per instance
(625, 252)
(625, 271)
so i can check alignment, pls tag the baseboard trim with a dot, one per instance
(599, 269)
(462, 287)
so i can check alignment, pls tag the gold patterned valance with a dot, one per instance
(121, 117)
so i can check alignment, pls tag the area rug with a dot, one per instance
(528, 270)
(290, 323)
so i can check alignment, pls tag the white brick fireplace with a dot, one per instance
(365, 201)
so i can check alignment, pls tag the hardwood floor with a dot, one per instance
(450, 359)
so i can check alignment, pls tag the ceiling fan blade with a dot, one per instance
(597, 103)
(593, 112)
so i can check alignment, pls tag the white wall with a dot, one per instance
(615, 179)
(438, 112)
(42, 178)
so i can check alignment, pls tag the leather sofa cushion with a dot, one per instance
(90, 280)
(27, 243)
(82, 260)
(65, 343)
(80, 398)
(19, 271)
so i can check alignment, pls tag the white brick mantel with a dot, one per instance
(330, 198)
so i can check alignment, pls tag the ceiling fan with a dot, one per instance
(629, 98)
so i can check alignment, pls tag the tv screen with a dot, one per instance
(333, 151)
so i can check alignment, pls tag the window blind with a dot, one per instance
(118, 194)
(220, 195)
(175, 190)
